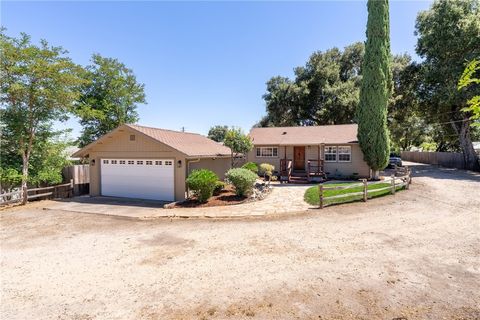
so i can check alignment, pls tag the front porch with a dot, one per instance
(302, 164)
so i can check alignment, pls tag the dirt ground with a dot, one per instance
(415, 255)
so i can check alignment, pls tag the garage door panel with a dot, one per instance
(134, 178)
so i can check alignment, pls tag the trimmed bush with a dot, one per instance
(219, 186)
(252, 166)
(242, 179)
(266, 170)
(202, 182)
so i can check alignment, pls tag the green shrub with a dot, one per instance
(242, 179)
(10, 178)
(219, 186)
(202, 183)
(252, 166)
(266, 170)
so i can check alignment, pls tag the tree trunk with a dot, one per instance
(375, 174)
(469, 155)
(24, 178)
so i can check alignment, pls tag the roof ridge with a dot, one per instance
(316, 126)
(161, 129)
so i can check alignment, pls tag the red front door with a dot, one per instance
(299, 158)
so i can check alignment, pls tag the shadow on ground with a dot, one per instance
(115, 201)
(438, 172)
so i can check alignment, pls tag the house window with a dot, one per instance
(149, 163)
(122, 161)
(114, 161)
(330, 154)
(132, 137)
(105, 161)
(131, 162)
(140, 162)
(168, 163)
(267, 152)
(344, 154)
(158, 163)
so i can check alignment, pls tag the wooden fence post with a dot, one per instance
(320, 194)
(365, 190)
(393, 184)
(70, 191)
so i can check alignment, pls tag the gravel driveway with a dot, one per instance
(414, 255)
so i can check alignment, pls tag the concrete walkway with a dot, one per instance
(282, 199)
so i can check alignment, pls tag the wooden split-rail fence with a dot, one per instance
(52, 192)
(401, 178)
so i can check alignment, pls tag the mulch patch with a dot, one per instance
(224, 198)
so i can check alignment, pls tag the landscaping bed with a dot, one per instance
(312, 194)
(225, 197)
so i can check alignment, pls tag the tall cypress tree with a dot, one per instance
(376, 88)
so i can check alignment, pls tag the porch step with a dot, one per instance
(299, 174)
(296, 179)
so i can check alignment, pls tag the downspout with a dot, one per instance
(188, 170)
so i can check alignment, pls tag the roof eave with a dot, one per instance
(209, 156)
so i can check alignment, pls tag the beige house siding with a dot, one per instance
(356, 165)
(252, 156)
(217, 165)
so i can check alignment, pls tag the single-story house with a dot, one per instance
(310, 152)
(134, 161)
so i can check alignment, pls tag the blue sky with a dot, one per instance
(204, 63)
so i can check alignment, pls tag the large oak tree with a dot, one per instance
(448, 38)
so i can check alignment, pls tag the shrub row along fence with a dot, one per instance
(444, 159)
(58, 191)
(404, 180)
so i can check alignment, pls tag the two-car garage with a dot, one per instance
(151, 179)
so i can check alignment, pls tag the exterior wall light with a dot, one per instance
(92, 162)
(179, 163)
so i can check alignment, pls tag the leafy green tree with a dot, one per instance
(109, 98)
(48, 160)
(285, 100)
(324, 91)
(217, 133)
(467, 80)
(39, 84)
(239, 143)
(9, 178)
(448, 36)
(376, 88)
(406, 124)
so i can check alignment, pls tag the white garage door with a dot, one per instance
(138, 178)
